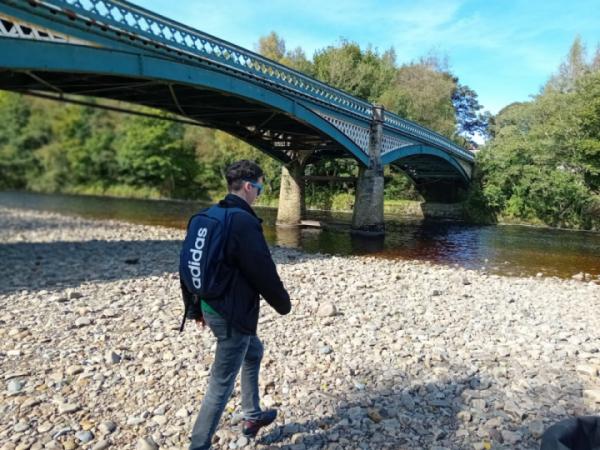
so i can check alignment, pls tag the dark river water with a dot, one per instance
(507, 250)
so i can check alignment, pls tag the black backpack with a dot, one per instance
(203, 271)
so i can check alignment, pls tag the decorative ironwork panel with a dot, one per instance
(139, 23)
(357, 134)
(391, 142)
(11, 28)
(409, 128)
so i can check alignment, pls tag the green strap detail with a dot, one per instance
(207, 309)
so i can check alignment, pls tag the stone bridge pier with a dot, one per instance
(292, 206)
(367, 217)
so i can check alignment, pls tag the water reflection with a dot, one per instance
(290, 237)
(510, 250)
(361, 245)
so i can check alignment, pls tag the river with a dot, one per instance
(504, 249)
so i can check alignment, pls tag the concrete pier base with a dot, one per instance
(291, 208)
(443, 211)
(367, 216)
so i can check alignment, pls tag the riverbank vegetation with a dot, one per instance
(540, 164)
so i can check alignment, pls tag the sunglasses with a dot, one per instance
(259, 186)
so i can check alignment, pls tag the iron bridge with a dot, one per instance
(65, 49)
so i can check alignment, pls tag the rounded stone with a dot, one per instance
(146, 443)
(15, 386)
(325, 350)
(101, 445)
(327, 310)
(84, 436)
(107, 427)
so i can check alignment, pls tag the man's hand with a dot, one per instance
(200, 323)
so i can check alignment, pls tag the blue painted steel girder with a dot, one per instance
(21, 56)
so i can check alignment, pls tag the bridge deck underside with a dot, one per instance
(273, 131)
(434, 178)
(425, 168)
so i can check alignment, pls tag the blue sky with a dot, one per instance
(504, 50)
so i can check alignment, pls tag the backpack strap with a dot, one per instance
(227, 226)
(185, 311)
(196, 300)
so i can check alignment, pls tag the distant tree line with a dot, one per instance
(541, 162)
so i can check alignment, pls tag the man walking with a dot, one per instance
(233, 318)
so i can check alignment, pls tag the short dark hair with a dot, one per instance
(241, 171)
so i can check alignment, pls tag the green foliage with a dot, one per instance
(273, 47)
(343, 201)
(322, 195)
(423, 93)
(572, 69)
(365, 74)
(543, 164)
(216, 150)
(115, 190)
(403, 207)
(399, 186)
(587, 147)
(18, 138)
(152, 152)
(471, 121)
(75, 149)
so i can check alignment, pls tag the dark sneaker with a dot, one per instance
(252, 426)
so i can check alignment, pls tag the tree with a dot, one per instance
(24, 128)
(421, 93)
(470, 120)
(152, 153)
(570, 70)
(365, 74)
(587, 145)
(543, 163)
(14, 157)
(595, 66)
(273, 46)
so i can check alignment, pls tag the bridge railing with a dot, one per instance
(138, 23)
(407, 127)
(142, 24)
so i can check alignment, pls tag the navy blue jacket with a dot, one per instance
(247, 253)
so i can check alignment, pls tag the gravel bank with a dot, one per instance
(375, 354)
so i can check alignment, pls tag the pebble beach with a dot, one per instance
(376, 354)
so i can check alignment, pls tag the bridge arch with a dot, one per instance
(437, 175)
(262, 117)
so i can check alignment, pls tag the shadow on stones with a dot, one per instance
(60, 265)
(395, 418)
(440, 416)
